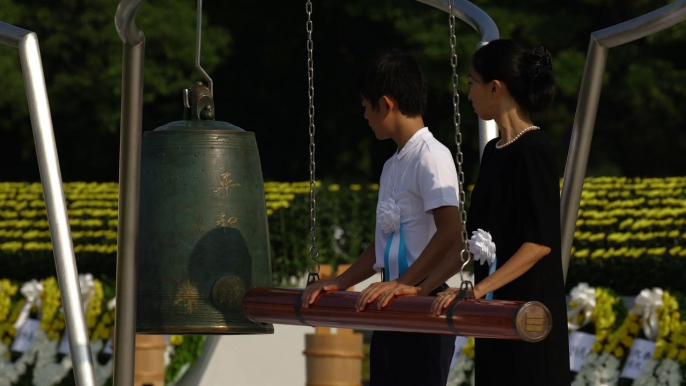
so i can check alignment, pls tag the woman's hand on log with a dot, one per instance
(399, 290)
(443, 300)
(326, 285)
(373, 292)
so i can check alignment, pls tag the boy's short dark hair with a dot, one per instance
(397, 75)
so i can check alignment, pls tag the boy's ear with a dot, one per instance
(390, 102)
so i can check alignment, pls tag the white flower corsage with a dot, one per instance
(481, 245)
(388, 215)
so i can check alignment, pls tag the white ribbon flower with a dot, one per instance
(647, 303)
(481, 245)
(388, 215)
(87, 285)
(111, 304)
(584, 297)
(31, 291)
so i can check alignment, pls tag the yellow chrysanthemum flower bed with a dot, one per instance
(632, 218)
(620, 220)
(636, 211)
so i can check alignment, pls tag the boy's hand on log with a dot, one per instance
(398, 290)
(319, 286)
(373, 292)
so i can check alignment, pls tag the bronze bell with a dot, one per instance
(203, 225)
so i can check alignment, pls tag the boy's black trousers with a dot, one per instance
(410, 359)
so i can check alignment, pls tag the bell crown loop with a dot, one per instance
(198, 103)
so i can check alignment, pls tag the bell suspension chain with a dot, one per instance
(314, 268)
(464, 254)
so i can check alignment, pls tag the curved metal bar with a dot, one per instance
(11, 35)
(48, 163)
(486, 27)
(125, 22)
(587, 107)
(472, 15)
(641, 26)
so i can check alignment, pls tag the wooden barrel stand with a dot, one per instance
(149, 360)
(334, 359)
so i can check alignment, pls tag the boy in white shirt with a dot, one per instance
(418, 220)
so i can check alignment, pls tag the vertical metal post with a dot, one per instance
(51, 178)
(487, 131)
(580, 146)
(129, 191)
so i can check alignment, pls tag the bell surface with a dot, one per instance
(203, 239)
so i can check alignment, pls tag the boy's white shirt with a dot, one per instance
(419, 178)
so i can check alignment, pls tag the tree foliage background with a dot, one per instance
(256, 54)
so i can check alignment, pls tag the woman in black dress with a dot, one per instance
(516, 199)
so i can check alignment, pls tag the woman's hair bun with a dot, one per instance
(540, 60)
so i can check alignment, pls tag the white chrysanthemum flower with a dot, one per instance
(11, 372)
(168, 353)
(586, 375)
(102, 371)
(46, 371)
(458, 374)
(646, 375)
(608, 371)
(388, 216)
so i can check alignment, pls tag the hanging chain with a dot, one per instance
(314, 251)
(464, 254)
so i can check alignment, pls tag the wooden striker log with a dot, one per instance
(500, 319)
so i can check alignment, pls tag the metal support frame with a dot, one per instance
(129, 190)
(587, 107)
(48, 163)
(485, 26)
(129, 167)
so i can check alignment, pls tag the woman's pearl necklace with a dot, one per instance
(499, 146)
